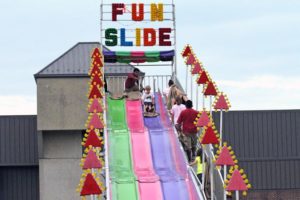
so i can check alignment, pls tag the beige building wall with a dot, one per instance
(59, 165)
(62, 114)
(62, 103)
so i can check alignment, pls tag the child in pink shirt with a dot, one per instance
(177, 109)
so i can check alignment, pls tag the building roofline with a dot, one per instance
(76, 75)
(39, 75)
(36, 75)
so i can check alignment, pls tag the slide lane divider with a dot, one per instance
(148, 181)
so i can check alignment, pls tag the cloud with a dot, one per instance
(265, 82)
(18, 105)
(263, 92)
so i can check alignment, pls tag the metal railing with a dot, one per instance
(116, 84)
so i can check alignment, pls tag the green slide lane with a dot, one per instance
(117, 114)
(123, 186)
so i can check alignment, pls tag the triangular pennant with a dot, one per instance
(95, 70)
(203, 78)
(95, 122)
(93, 140)
(221, 103)
(95, 107)
(92, 161)
(190, 59)
(97, 81)
(197, 68)
(96, 53)
(186, 51)
(210, 89)
(90, 186)
(236, 182)
(95, 92)
(203, 119)
(98, 62)
(209, 136)
(225, 158)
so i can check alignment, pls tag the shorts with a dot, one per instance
(189, 140)
(148, 103)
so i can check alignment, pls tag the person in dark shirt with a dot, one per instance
(132, 81)
(186, 121)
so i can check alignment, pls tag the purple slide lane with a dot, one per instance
(149, 184)
(174, 186)
(180, 161)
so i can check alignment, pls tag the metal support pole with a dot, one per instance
(186, 78)
(154, 88)
(191, 87)
(237, 195)
(211, 179)
(101, 25)
(210, 105)
(175, 43)
(221, 127)
(225, 174)
(197, 106)
(203, 105)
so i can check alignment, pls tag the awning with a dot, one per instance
(138, 56)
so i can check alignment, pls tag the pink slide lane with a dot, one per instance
(149, 184)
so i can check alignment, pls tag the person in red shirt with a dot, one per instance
(132, 81)
(186, 121)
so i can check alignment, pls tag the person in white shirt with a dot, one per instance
(177, 109)
(167, 90)
(148, 99)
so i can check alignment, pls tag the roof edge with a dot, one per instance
(73, 47)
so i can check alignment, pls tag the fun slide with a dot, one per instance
(145, 160)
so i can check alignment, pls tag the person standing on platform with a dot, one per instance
(132, 81)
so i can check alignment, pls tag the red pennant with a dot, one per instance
(197, 68)
(96, 53)
(95, 122)
(209, 136)
(190, 60)
(92, 161)
(210, 90)
(95, 107)
(90, 186)
(186, 51)
(203, 78)
(95, 93)
(97, 81)
(236, 182)
(93, 140)
(98, 62)
(203, 119)
(95, 71)
(221, 103)
(225, 158)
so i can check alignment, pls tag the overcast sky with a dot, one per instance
(250, 48)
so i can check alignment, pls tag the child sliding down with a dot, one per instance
(148, 100)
